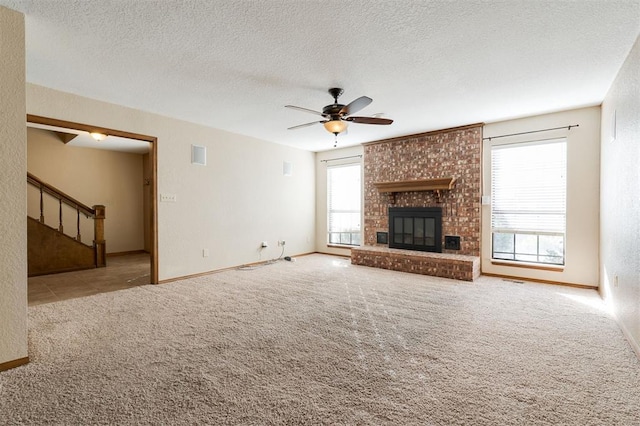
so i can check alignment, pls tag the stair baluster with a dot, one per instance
(60, 227)
(78, 237)
(41, 207)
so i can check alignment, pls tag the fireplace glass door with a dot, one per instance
(417, 231)
(415, 228)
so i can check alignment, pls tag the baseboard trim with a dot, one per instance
(512, 277)
(216, 271)
(201, 274)
(345, 256)
(635, 346)
(13, 364)
(306, 254)
(126, 253)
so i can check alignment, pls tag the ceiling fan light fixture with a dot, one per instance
(335, 126)
(336, 116)
(98, 136)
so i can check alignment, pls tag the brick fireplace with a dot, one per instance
(435, 169)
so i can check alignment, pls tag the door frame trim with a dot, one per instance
(36, 119)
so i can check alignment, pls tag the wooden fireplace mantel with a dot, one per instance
(435, 184)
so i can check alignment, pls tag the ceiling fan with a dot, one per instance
(337, 116)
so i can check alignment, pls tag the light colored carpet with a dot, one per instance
(319, 341)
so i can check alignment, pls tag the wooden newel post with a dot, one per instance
(98, 234)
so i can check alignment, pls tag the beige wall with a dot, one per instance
(239, 199)
(92, 176)
(620, 199)
(13, 170)
(321, 192)
(147, 198)
(583, 156)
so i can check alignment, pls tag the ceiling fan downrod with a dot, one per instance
(335, 92)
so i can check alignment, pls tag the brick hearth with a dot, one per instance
(451, 153)
(455, 266)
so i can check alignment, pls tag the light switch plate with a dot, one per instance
(168, 198)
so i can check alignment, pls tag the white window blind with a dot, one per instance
(528, 200)
(344, 204)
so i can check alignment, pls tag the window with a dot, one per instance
(344, 204)
(528, 201)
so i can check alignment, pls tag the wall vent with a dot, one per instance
(199, 155)
(452, 242)
(287, 168)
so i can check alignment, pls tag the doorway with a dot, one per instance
(150, 178)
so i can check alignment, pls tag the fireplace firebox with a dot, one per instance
(416, 228)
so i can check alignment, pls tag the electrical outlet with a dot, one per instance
(615, 280)
(281, 242)
(168, 198)
(205, 252)
(264, 244)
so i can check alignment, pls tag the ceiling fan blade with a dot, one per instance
(369, 120)
(299, 126)
(304, 110)
(356, 105)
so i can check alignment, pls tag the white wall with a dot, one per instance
(13, 203)
(93, 177)
(583, 194)
(239, 199)
(321, 192)
(620, 197)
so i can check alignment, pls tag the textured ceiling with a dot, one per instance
(234, 64)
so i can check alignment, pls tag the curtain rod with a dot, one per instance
(341, 158)
(532, 131)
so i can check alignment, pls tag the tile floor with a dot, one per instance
(121, 272)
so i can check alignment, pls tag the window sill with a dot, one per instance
(539, 266)
(343, 246)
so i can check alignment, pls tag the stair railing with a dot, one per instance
(97, 213)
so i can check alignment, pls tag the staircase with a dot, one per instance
(50, 249)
